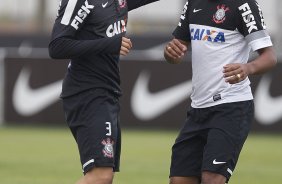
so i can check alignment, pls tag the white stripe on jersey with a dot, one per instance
(68, 12)
(260, 43)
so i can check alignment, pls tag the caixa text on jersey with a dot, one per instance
(207, 35)
(116, 28)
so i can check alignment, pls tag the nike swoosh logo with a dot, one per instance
(146, 105)
(28, 101)
(196, 10)
(216, 163)
(268, 109)
(104, 5)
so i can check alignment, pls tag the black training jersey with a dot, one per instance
(220, 32)
(89, 33)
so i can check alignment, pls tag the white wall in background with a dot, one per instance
(18, 9)
(52, 8)
(163, 11)
(168, 9)
(271, 13)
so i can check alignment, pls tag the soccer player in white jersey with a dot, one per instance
(221, 34)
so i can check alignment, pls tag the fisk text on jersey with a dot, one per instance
(81, 15)
(248, 17)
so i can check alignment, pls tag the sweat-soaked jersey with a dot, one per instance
(220, 32)
(89, 32)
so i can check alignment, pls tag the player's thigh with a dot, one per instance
(93, 120)
(187, 151)
(227, 136)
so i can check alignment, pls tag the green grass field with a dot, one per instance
(49, 156)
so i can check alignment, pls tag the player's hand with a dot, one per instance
(235, 72)
(126, 45)
(174, 51)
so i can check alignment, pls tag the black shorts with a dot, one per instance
(211, 139)
(93, 118)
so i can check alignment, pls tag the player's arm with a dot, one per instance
(64, 45)
(175, 50)
(267, 59)
(254, 30)
(68, 48)
(263, 63)
(126, 45)
(133, 4)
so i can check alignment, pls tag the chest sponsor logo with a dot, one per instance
(220, 15)
(248, 17)
(207, 35)
(116, 28)
(81, 15)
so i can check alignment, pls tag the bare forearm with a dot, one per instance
(236, 72)
(266, 60)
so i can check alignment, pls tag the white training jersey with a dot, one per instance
(220, 32)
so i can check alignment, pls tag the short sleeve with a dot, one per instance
(182, 31)
(252, 25)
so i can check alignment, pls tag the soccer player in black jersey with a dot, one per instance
(221, 34)
(92, 34)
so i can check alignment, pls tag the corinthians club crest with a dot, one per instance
(108, 150)
(219, 16)
(122, 3)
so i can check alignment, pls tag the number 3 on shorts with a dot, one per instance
(108, 128)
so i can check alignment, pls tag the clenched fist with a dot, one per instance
(126, 45)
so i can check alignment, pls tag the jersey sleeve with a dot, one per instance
(252, 25)
(71, 17)
(182, 31)
(133, 4)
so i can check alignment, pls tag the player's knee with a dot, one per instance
(212, 178)
(99, 176)
(99, 179)
(184, 180)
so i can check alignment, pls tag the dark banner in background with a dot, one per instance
(32, 91)
(155, 94)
